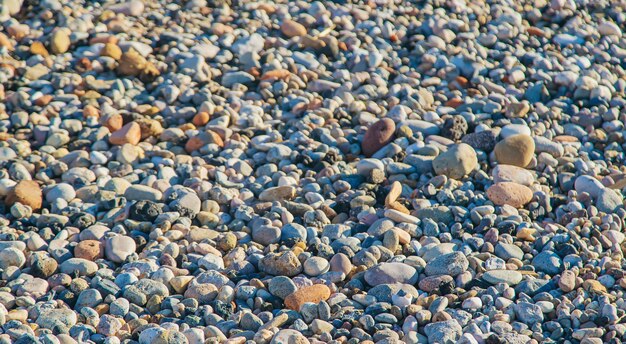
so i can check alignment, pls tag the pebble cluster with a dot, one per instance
(291, 172)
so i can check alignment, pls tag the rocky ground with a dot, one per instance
(215, 171)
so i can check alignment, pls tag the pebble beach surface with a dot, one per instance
(292, 172)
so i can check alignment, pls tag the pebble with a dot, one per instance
(129, 133)
(314, 293)
(509, 277)
(390, 273)
(451, 264)
(456, 162)
(377, 136)
(515, 150)
(292, 28)
(119, 247)
(26, 192)
(60, 41)
(509, 193)
(514, 174)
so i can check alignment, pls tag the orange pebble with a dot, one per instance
(90, 111)
(201, 118)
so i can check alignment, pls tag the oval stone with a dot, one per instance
(510, 173)
(513, 194)
(377, 136)
(389, 273)
(515, 150)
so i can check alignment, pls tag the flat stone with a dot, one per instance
(390, 273)
(509, 277)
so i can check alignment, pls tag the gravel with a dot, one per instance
(205, 171)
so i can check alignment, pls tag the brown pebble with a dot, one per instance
(91, 111)
(292, 28)
(111, 50)
(517, 150)
(314, 293)
(201, 118)
(377, 136)
(113, 121)
(89, 249)
(26, 192)
(37, 48)
(513, 194)
(6, 42)
(130, 133)
(60, 41)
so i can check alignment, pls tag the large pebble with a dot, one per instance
(509, 193)
(390, 273)
(377, 136)
(314, 293)
(515, 150)
(456, 162)
(451, 264)
(119, 247)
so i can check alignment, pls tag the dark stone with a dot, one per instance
(145, 211)
(454, 128)
(484, 140)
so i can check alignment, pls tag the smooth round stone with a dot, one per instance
(510, 277)
(432, 251)
(291, 28)
(142, 193)
(510, 173)
(456, 162)
(513, 194)
(341, 263)
(377, 136)
(514, 129)
(315, 266)
(390, 273)
(119, 247)
(79, 266)
(11, 256)
(517, 150)
(472, 303)
(365, 166)
(266, 235)
(63, 191)
(609, 28)
(88, 249)
(588, 184)
(26, 192)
